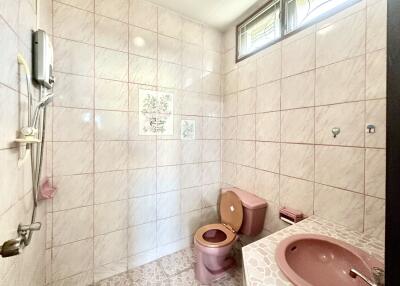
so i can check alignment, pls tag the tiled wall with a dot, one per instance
(125, 199)
(17, 19)
(281, 104)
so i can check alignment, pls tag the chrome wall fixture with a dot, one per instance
(335, 131)
(31, 137)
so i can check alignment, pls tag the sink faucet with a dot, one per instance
(378, 276)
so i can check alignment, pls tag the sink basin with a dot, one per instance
(317, 260)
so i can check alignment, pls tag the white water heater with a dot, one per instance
(42, 59)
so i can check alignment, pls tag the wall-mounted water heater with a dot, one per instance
(42, 59)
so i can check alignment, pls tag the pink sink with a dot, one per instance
(317, 260)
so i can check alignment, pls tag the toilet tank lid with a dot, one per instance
(249, 200)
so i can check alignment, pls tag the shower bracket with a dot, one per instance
(23, 229)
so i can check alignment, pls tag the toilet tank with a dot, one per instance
(254, 209)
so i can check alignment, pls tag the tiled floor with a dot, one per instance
(172, 270)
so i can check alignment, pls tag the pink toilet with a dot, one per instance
(240, 212)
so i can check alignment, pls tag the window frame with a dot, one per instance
(282, 23)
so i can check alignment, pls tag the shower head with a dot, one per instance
(11, 247)
(45, 100)
(42, 104)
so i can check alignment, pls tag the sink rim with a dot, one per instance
(296, 279)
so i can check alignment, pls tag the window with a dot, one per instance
(260, 29)
(266, 26)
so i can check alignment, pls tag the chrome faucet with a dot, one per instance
(378, 276)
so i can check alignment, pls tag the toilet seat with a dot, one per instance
(199, 236)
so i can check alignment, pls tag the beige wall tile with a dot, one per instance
(245, 178)
(247, 76)
(268, 126)
(231, 82)
(267, 185)
(192, 32)
(169, 23)
(296, 194)
(118, 9)
(269, 66)
(143, 154)
(375, 172)
(341, 82)
(211, 172)
(169, 49)
(169, 75)
(67, 20)
(212, 61)
(341, 40)
(142, 70)
(192, 56)
(247, 101)
(142, 182)
(346, 208)
(297, 160)
(111, 34)
(298, 56)
(269, 97)
(376, 26)
(73, 191)
(246, 127)
(111, 125)
(72, 158)
(143, 14)
(111, 155)
(168, 178)
(142, 238)
(142, 210)
(110, 217)
(142, 42)
(341, 167)
(349, 117)
(267, 156)
(229, 150)
(212, 39)
(190, 175)
(298, 90)
(72, 225)
(376, 75)
(245, 153)
(230, 105)
(111, 95)
(75, 124)
(73, 57)
(83, 4)
(375, 217)
(111, 64)
(71, 259)
(297, 125)
(117, 181)
(73, 91)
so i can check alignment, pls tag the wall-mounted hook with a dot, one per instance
(370, 128)
(335, 131)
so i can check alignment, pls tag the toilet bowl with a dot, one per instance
(240, 212)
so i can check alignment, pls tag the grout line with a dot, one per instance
(94, 144)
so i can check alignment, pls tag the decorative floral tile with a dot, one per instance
(156, 113)
(188, 129)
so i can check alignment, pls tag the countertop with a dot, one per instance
(259, 257)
